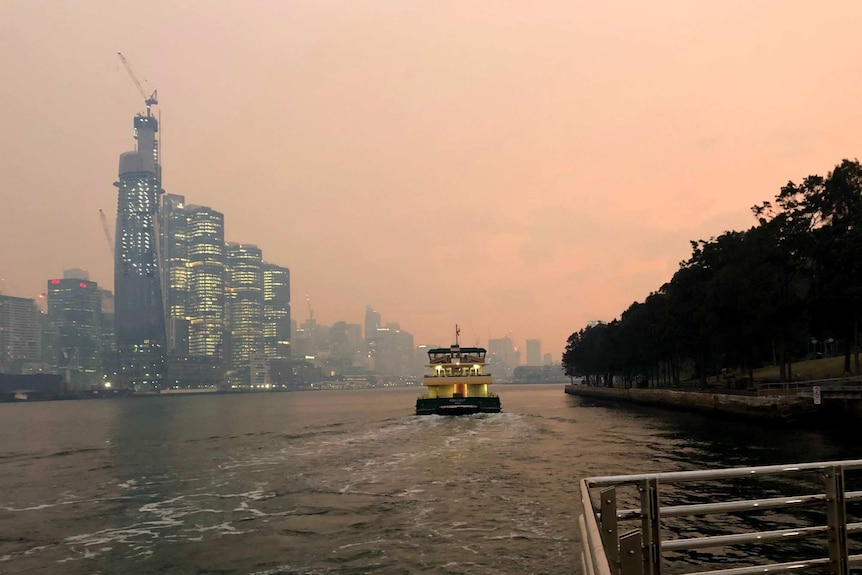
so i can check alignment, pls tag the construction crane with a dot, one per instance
(310, 311)
(149, 101)
(108, 235)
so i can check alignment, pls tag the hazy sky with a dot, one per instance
(515, 167)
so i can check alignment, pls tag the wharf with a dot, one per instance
(773, 408)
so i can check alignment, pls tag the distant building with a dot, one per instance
(372, 323)
(75, 309)
(502, 358)
(244, 285)
(109, 340)
(195, 372)
(50, 344)
(174, 231)
(394, 351)
(306, 339)
(140, 320)
(547, 359)
(293, 373)
(534, 352)
(538, 374)
(345, 343)
(20, 334)
(259, 371)
(420, 360)
(276, 311)
(31, 386)
(206, 301)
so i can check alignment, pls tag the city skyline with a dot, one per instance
(513, 171)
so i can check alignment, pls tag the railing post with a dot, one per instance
(650, 526)
(836, 519)
(631, 553)
(610, 535)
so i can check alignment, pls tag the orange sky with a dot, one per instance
(515, 167)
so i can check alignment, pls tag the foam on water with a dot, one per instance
(306, 489)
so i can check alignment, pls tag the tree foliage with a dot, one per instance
(744, 299)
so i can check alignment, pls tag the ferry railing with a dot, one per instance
(606, 550)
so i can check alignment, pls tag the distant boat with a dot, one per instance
(457, 384)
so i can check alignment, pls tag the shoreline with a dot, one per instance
(772, 409)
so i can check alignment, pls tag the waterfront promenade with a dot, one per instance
(773, 408)
(779, 403)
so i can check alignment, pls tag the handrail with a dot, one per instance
(593, 557)
(730, 506)
(803, 387)
(639, 552)
(729, 473)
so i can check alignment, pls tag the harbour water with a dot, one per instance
(316, 483)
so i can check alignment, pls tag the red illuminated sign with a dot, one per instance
(55, 282)
(82, 284)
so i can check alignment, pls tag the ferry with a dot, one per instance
(457, 384)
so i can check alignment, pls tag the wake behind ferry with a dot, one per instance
(457, 384)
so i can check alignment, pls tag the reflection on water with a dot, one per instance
(335, 482)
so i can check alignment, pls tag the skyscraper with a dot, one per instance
(139, 309)
(245, 307)
(20, 333)
(75, 309)
(276, 311)
(174, 229)
(206, 253)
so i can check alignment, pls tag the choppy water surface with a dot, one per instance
(333, 482)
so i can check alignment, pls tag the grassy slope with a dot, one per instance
(823, 368)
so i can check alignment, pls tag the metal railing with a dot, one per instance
(803, 388)
(609, 551)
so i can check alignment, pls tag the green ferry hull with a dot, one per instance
(457, 405)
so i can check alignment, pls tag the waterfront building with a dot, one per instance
(259, 372)
(206, 280)
(20, 334)
(139, 309)
(245, 308)
(276, 311)
(194, 372)
(534, 352)
(75, 309)
(174, 241)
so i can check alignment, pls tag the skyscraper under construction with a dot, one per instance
(139, 313)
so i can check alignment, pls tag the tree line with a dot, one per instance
(745, 299)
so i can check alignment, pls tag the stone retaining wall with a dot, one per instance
(773, 408)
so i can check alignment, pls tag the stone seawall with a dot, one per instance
(776, 409)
